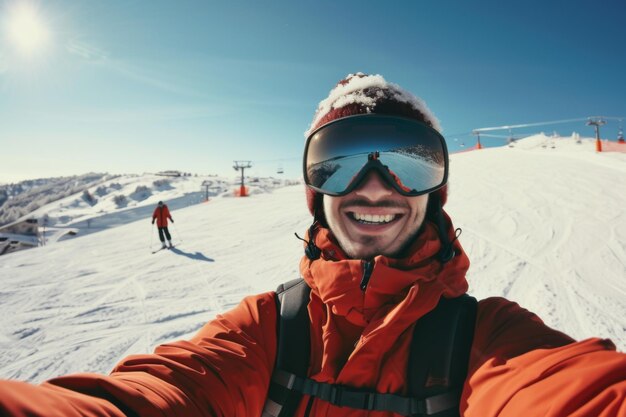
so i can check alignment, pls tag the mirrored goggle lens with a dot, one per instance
(413, 154)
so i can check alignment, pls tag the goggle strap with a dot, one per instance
(311, 250)
(446, 253)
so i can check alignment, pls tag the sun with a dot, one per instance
(26, 29)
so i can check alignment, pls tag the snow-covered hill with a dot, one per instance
(544, 226)
(22, 198)
(121, 199)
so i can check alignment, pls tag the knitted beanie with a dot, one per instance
(361, 94)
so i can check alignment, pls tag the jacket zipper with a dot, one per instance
(368, 267)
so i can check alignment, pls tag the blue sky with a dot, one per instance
(143, 86)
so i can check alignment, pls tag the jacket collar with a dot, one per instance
(336, 280)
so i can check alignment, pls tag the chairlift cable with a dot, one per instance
(491, 135)
(268, 161)
(607, 118)
(487, 129)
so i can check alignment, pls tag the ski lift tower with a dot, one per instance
(596, 122)
(206, 184)
(477, 134)
(241, 166)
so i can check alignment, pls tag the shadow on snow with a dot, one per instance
(195, 256)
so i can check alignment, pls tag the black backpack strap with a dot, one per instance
(444, 336)
(293, 347)
(437, 368)
(344, 396)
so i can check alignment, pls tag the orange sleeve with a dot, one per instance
(520, 366)
(224, 370)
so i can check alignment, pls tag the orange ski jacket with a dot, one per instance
(161, 214)
(518, 366)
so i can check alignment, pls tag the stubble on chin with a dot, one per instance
(365, 248)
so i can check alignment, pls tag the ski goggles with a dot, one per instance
(409, 155)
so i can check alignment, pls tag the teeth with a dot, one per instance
(374, 218)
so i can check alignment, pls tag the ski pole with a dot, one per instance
(177, 233)
(151, 235)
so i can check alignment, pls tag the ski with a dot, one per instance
(160, 249)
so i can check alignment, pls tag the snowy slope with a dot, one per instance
(125, 198)
(546, 226)
(543, 226)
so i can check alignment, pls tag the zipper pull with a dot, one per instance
(368, 267)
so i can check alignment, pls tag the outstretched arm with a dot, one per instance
(224, 370)
(520, 366)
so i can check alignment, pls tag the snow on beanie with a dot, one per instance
(361, 94)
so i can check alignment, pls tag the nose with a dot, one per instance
(373, 187)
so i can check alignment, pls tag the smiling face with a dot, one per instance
(374, 219)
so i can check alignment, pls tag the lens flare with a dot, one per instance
(26, 29)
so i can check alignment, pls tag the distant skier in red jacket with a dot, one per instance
(161, 214)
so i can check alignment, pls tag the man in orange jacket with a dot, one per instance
(381, 254)
(161, 214)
